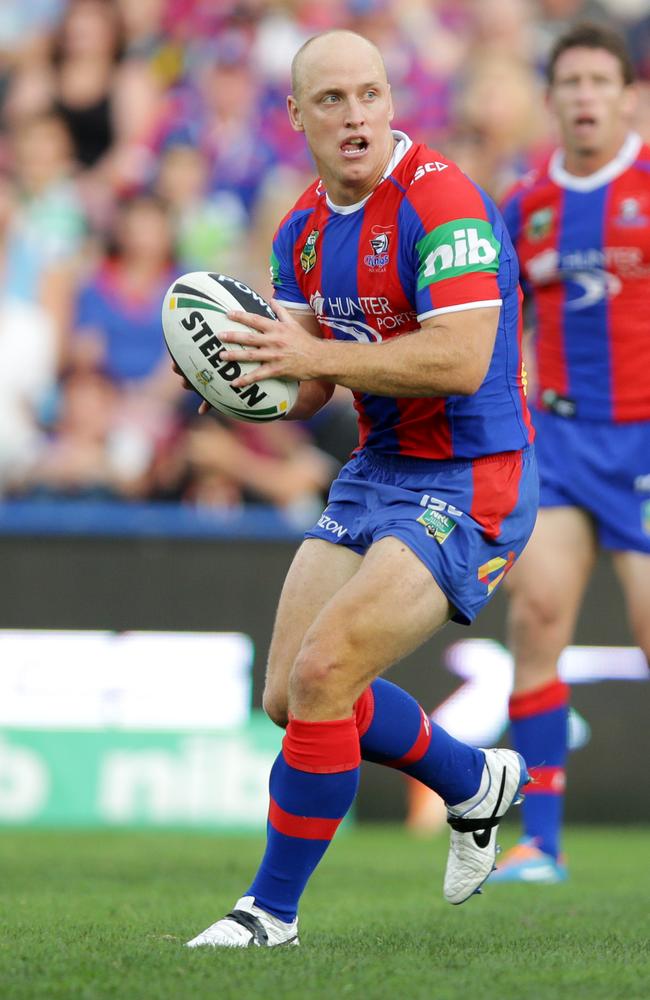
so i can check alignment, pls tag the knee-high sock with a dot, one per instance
(538, 724)
(395, 731)
(313, 784)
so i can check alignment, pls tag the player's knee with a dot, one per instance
(533, 611)
(315, 676)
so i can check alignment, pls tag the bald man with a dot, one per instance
(394, 276)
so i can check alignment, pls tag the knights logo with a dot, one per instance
(539, 225)
(308, 255)
(379, 242)
(204, 376)
(630, 213)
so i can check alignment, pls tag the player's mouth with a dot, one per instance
(584, 123)
(354, 147)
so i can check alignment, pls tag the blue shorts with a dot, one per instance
(466, 521)
(602, 468)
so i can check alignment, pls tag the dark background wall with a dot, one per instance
(220, 585)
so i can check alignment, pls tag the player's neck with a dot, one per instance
(583, 163)
(347, 194)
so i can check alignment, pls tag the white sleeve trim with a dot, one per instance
(460, 308)
(298, 306)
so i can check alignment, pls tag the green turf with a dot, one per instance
(98, 915)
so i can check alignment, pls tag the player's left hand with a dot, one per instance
(283, 348)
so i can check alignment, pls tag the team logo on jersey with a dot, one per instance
(629, 213)
(493, 571)
(308, 254)
(539, 224)
(455, 248)
(379, 258)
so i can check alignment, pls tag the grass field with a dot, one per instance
(98, 915)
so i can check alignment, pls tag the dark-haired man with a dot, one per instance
(581, 227)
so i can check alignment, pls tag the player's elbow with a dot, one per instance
(467, 380)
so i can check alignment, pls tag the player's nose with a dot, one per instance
(354, 113)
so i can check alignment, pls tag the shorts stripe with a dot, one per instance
(496, 491)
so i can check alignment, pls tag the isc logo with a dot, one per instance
(428, 168)
(466, 250)
(434, 503)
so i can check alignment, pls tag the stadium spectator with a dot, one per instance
(117, 322)
(92, 451)
(210, 229)
(359, 261)
(499, 132)
(273, 463)
(28, 361)
(581, 227)
(48, 231)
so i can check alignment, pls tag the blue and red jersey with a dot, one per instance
(584, 249)
(427, 241)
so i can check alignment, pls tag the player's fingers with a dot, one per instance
(204, 408)
(283, 314)
(242, 337)
(250, 319)
(257, 375)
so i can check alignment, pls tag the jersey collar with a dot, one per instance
(625, 157)
(402, 146)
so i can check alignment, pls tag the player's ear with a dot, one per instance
(295, 116)
(391, 109)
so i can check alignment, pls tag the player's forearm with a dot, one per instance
(416, 365)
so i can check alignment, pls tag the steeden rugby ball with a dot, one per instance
(193, 315)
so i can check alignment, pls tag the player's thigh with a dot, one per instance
(385, 611)
(545, 588)
(319, 569)
(633, 570)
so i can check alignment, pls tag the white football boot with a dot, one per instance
(247, 926)
(474, 824)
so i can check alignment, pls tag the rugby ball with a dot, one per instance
(193, 315)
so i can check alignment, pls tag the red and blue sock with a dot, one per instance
(395, 731)
(313, 783)
(538, 724)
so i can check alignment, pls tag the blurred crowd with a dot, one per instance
(140, 139)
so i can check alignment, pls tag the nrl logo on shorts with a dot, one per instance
(308, 255)
(539, 225)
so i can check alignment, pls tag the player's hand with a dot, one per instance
(203, 407)
(282, 348)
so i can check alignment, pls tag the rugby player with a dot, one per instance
(395, 277)
(581, 228)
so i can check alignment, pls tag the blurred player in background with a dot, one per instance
(581, 227)
(394, 277)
